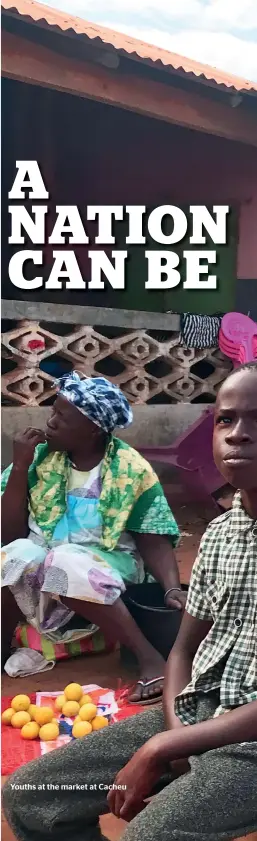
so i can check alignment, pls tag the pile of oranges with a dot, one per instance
(73, 703)
(40, 722)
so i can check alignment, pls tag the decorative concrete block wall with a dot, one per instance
(146, 358)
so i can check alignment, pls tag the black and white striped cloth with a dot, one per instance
(200, 331)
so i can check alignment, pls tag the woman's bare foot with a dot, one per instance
(149, 687)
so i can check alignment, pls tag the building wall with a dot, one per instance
(152, 426)
(118, 157)
(158, 163)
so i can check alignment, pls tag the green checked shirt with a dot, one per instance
(223, 590)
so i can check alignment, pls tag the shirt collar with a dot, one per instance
(239, 520)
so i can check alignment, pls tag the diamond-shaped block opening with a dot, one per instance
(204, 398)
(109, 367)
(27, 387)
(59, 329)
(87, 345)
(163, 335)
(202, 369)
(50, 401)
(56, 366)
(32, 341)
(161, 399)
(137, 348)
(182, 357)
(158, 368)
(8, 365)
(7, 325)
(139, 388)
(34, 387)
(185, 351)
(112, 332)
(185, 387)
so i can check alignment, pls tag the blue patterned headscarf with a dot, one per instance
(97, 398)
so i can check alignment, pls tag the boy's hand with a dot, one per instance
(136, 782)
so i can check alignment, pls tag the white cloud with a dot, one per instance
(222, 33)
(219, 49)
(232, 14)
(171, 8)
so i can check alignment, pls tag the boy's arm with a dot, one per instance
(179, 665)
(195, 626)
(234, 727)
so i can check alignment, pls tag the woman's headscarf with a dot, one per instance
(97, 398)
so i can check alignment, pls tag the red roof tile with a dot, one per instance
(124, 44)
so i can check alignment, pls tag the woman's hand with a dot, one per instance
(136, 782)
(15, 497)
(24, 447)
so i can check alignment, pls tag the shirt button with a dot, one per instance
(238, 623)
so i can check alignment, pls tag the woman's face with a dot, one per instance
(68, 429)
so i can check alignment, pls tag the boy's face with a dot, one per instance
(235, 430)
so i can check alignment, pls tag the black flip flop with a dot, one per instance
(154, 699)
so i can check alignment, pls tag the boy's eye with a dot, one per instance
(223, 419)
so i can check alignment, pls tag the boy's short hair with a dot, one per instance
(246, 366)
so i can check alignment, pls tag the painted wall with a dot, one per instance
(157, 162)
(91, 153)
(155, 426)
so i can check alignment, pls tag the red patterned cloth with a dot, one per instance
(16, 751)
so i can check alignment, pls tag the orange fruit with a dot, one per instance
(88, 712)
(19, 719)
(43, 715)
(49, 732)
(73, 692)
(70, 708)
(30, 730)
(80, 729)
(86, 699)
(99, 722)
(59, 703)
(20, 703)
(7, 716)
(31, 711)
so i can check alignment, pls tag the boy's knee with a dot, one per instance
(12, 794)
(19, 798)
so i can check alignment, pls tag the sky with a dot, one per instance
(222, 33)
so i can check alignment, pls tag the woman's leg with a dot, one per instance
(116, 623)
(23, 572)
(10, 617)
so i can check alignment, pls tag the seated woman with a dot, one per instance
(83, 515)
